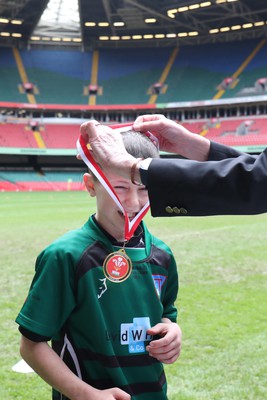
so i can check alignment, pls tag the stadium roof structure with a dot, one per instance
(92, 24)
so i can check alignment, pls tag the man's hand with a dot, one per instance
(107, 148)
(173, 137)
(165, 130)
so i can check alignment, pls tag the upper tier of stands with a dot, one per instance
(125, 76)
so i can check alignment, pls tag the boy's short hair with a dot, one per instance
(139, 145)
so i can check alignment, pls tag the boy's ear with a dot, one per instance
(89, 184)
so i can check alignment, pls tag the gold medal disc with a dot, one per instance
(117, 266)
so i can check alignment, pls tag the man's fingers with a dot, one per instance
(148, 118)
(153, 126)
(88, 130)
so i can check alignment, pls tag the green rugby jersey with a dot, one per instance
(98, 327)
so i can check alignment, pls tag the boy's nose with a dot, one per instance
(132, 202)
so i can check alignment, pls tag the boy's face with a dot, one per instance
(108, 214)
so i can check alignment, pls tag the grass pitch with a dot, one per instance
(222, 299)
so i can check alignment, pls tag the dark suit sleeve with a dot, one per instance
(221, 152)
(229, 183)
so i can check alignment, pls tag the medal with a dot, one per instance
(117, 266)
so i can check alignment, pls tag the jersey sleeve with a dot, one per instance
(171, 292)
(51, 297)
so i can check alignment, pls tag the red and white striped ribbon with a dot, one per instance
(130, 226)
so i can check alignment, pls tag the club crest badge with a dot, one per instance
(117, 266)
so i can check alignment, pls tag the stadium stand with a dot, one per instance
(236, 132)
(34, 181)
(9, 77)
(57, 136)
(16, 135)
(60, 74)
(64, 135)
(196, 74)
(126, 74)
(124, 77)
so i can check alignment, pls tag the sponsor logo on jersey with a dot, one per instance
(134, 335)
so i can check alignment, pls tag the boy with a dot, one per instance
(110, 316)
